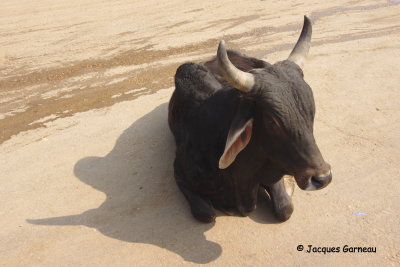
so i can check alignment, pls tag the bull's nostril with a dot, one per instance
(321, 181)
(316, 182)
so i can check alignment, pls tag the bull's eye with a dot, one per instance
(274, 125)
(273, 121)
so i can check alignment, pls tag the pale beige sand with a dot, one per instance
(95, 187)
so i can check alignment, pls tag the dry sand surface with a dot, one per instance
(86, 175)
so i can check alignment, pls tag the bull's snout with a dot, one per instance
(319, 181)
(314, 178)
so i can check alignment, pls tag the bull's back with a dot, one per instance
(194, 83)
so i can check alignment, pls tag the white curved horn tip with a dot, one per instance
(307, 19)
(307, 24)
(221, 47)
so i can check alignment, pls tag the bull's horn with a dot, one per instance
(241, 80)
(300, 51)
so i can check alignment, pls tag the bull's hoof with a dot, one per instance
(206, 215)
(246, 210)
(227, 211)
(283, 213)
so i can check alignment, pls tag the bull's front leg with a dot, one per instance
(246, 193)
(201, 209)
(281, 200)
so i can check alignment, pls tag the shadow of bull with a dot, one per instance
(143, 204)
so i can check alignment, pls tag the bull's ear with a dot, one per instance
(238, 137)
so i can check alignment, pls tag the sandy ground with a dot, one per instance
(86, 154)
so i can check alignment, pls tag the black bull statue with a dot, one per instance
(241, 123)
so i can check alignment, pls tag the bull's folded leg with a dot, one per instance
(246, 199)
(282, 202)
(201, 209)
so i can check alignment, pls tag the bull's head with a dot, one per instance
(284, 106)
